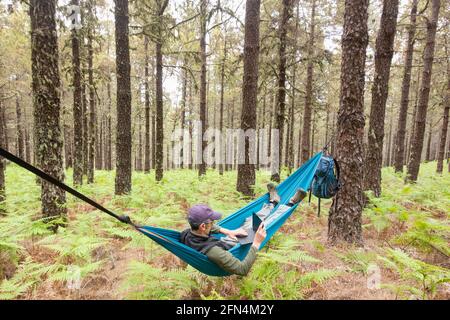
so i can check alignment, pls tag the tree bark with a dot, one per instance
(20, 137)
(281, 97)
(159, 160)
(428, 150)
(306, 136)
(442, 142)
(123, 135)
(383, 57)
(344, 221)
(46, 102)
(201, 165)
(424, 93)
(183, 110)
(2, 168)
(108, 160)
(147, 154)
(92, 130)
(413, 118)
(222, 88)
(159, 154)
(404, 100)
(246, 171)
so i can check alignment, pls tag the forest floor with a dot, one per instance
(405, 254)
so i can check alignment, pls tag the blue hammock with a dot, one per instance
(170, 239)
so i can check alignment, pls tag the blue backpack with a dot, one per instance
(325, 183)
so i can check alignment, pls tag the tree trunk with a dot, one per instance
(20, 137)
(344, 221)
(101, 145)
(183, 111)
(306, 136)
(389, 146)
(108, 159)
(313, 134)
(139, 161)
(201, 165)
(159, 98)
(147, 154)
(159, 153)
(5, 127)
(92, 131)
(46, 102)
(2, 168)
(246, 171)
(222, 88)
(123, 135)
(428, 150)
(299, 151)
(442, 142)
(413, 118)
(84, 72)
(404, 101)
(424, 93)
(279, 123)
(67, 146)
(383, 57)
(190, 126)
(294, 78)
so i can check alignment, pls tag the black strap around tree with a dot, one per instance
(43, 175)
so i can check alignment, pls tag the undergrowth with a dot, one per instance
(408, 222)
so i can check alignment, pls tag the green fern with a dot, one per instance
(146, 282)
(424, 278)
(359, 260)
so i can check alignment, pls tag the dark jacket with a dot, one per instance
(217, 252)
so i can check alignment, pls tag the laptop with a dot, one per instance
(256, 221)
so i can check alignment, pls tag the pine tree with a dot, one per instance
(404, 101)
(344, 221)
(383, 57)
(424, 93)
(246, 171)
(46, 102)
(123, 139)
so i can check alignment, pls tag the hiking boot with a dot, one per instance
(274, 197)
(298, 196)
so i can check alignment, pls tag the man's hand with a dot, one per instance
(260, 235)
(234, 234)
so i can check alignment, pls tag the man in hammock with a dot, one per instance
(201, 219)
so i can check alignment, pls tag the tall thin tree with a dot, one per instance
(281, 96)
(123, 136)
(442, 142)
(306, 136)
(203, 20)
(159, 94)
(424, 94)
(380, 88)
(147, 154)
(246, 171)
(92, 123)
(404, 100)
